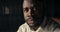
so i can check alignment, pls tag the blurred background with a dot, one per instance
(11, 15)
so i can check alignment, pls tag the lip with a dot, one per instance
(31, 21)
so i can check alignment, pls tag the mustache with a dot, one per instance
(32, 17)
(28, 18)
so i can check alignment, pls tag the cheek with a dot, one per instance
(25, 15)
(37, 13)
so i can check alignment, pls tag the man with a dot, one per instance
(33, 18)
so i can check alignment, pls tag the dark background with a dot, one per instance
(10, 22)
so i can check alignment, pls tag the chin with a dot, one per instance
(31, 25)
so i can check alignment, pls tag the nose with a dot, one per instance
(30, 12)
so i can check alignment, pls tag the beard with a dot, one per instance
(33, 21)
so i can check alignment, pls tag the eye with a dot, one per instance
(25, 9)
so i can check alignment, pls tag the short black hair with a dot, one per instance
(39, 4)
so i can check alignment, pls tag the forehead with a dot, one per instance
(27, 4)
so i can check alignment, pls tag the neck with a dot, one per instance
(35, 27)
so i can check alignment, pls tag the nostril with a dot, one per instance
(29, 14)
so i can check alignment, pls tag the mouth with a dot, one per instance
(31, 21)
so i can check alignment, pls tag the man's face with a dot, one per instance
(31, 14)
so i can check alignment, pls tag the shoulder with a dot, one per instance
(22, 27)
(49, 22)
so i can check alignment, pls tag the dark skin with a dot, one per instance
(31, 14)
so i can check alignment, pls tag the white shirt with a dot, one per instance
(26, 28)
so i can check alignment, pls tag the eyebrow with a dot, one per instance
(29, 8)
